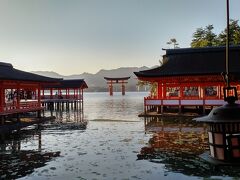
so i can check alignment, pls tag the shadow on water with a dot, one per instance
(177, 143)
(21, 151)
(15, 160)
(67, 120)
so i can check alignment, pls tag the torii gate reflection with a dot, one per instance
(119, 80)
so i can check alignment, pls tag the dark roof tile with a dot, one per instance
(71, 83)
(195, 61)
(7, 72)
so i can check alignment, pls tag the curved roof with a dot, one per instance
(117, 78)
(70, 83)
(7, 72)
(195, 61)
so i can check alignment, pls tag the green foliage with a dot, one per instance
(152, 85)
(153, 89)
(173, 41)
(234, 34)
(205, 37)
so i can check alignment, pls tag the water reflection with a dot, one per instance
(67, 120)
(16, 160)
(177, 143)
(117, 107)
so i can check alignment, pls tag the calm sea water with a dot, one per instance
(109, 141)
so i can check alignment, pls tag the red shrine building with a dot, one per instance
(191, 77)
(66, 91)
(20, 91)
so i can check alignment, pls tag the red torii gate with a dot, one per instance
(111, 81)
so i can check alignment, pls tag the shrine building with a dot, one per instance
(191, 77)
(20, 91)
(66, 92)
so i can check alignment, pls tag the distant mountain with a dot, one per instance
(96, 82)
(48, 74)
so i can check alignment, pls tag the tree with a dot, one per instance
(152, 85)
(204, 37)
(234, 34)
(173, 41)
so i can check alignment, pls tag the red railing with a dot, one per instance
(24, 106)
(185, 100)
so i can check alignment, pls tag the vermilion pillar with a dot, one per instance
(111, 89)
(51, 93)
(159, 90)
(2, 98)
(123, 89)
(164, 90)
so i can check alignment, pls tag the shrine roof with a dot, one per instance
(7, 72)
(69, 83)
(195, 61)
(117, 78)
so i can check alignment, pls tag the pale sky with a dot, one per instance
(76, 36)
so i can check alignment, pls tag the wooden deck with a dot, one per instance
(184, 102)
(160, 105)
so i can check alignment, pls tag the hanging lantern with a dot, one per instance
(224, 131)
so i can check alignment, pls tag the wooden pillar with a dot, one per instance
(164, 90)
(145, 107)
(18, 96)
(123, 89)
(180, 97)
(219, 91)
(2, 102)
(39, 96)
(204, 98)
(2, 98)
(82, 98)
(51, 93)
(66, 93)
(110, 88)
(78, 93)
(181, 91)
(39, 140)
(42, 92)
(199, 92)
(39, 100)
(159, 95)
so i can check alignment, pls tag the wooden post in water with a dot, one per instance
(123, 89)
(111, 89)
